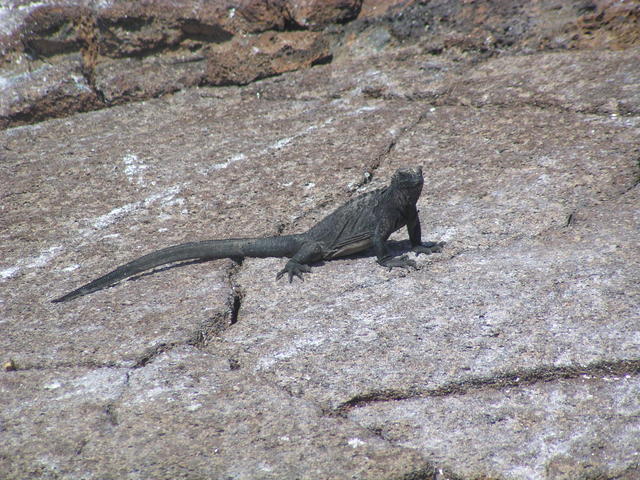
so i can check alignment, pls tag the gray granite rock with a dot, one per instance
(579, 428)
(188, 414)
(513, 354)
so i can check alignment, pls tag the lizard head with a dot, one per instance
(408, 178)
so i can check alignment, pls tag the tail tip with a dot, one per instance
(65, 298)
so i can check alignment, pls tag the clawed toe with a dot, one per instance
(428, 248)
(401, 262)
(293, 269)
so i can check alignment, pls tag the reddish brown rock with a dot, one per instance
(50, 90)
(254, 16)
(315, 13)
(52, 30)
(137, 50)
(611, 24)
(379, 8)
(271, 54)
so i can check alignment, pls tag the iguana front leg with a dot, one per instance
(298, 264)
(415, 235)
(385, 258)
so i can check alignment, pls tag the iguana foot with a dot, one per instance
(402, 262)
(293, 268)
(428, 248)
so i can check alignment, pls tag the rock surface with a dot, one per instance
(514, 354)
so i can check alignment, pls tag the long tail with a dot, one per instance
(284, 246)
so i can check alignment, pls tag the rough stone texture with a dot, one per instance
(119, 51)
(217, 420)
(315, 13)
(67, 56)
(617, 95)
(538, 431)
(514, 354)
(486, 26)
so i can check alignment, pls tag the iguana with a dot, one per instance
(363, 222)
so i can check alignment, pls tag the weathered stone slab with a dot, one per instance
(608, 82)
(512, 354)
(187, 415)
(46, 91)
(580, 428)
(50, 415)
(61, 57)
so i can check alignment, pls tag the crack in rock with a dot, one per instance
(152, 352)
(209, 328)
(601, 369)
(449, 99)
(385, 151)
(217, 324)
(19, 367)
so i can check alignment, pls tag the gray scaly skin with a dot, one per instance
(363, 222)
